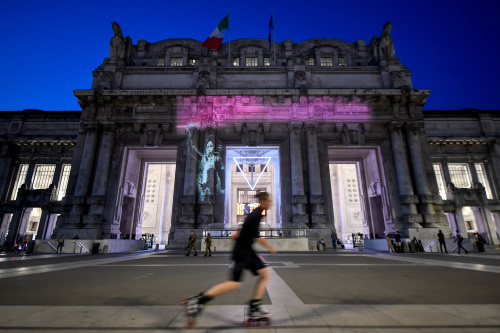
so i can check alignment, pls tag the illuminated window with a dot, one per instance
(460, 175)
(21, 178)
(440, 180)
(63, 181)
(342, 61)
(481, 175)
(192, 61)
(176, 61)
(326, 61)
(267, 61)
(44, 173)
(161, 61)
(236, 62)
(251, 62)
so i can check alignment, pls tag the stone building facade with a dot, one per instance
(173, 137)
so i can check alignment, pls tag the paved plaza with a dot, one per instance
(341, 291)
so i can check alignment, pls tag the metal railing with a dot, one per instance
(80, 245)
(268, 233)
(429, 247)
(52, 246)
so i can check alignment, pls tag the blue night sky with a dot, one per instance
(49, 48)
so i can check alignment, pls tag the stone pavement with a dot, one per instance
(342, 291)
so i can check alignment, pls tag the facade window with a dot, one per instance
(267, 61)
(63, 181)
(342, 61)
(326, 61)
(440, 180)
(161, 62)
(311, 61)
(21, 178)
(176, 61)
(44, 174)
(236, 62)
(481, 175)
(460, 175)
(192, 61)
(251, 62)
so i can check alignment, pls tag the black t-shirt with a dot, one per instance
(250, 229)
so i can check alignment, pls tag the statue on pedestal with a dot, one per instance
(120, 46)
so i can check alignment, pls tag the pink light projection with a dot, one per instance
(233, 109)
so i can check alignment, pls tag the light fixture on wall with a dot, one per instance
(252, 161)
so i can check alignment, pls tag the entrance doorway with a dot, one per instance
(359, 197)
(145, 202)
(250, 170)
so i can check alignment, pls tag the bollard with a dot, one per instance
(131, 249)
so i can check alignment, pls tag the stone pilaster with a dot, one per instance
(207, 178)
(100, 185)
(426, 198)
(85, 171)
(188, 199)
(316, 198)
(29, 175)
(408, 198)
(299, 199)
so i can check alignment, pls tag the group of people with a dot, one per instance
(192, 245)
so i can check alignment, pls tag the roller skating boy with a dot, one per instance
(244, 258)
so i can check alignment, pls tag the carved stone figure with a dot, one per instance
(386, 44)
(120, 47)
(301, 82)
(203, 83)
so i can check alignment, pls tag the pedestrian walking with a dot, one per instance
(389, 243)
(460, 239)
(208, 244)
(192, 244)
(244, 257)
(60, 244)
(442, 241)
(334, 239)
(397, 239)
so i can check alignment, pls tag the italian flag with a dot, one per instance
(214, 41)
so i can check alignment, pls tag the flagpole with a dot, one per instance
(274, 35)
(229, 46)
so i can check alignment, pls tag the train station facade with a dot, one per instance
(172, 137)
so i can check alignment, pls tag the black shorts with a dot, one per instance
(245, 259)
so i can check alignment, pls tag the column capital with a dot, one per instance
(294, 126)
(394, 126)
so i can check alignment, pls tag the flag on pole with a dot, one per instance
(271, 27)
(214, 41)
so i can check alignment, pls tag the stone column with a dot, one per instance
(316, 198)
(99, 188)
(496, 216)
(473, 173)
(188, 199)
(407, 198)
(29, 175)
(490, 230)
(42, 225)
(299, 199)
(85, 171)
(207, 178)
(413, 133)
(459, 216)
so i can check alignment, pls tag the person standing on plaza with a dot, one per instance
(192, 244)
(442, 241)
(389, 243)
(244, 257)
(334, 239)
(60, 244)
(460, 239)
(397, 239)
(208, 244)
